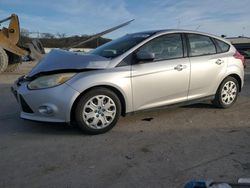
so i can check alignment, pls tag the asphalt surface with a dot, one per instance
(163, 148)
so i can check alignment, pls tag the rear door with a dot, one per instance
(164, 80)
(207, 66)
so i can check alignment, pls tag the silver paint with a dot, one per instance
(142, 85)
(61, 60)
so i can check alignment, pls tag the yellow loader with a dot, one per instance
(10, 51)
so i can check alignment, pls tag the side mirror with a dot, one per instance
(145, 56)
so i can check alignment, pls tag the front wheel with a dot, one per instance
(227, 93)
(98, 111)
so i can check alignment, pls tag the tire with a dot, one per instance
(227, 93)
(12, 67)
(14, 61)
(3, 60)
(98, 111)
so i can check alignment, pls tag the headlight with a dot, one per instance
(50, 80)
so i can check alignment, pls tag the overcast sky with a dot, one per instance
(229, 17)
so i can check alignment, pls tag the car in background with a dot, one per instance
(244, 49)
(136, 72)
(246, 54)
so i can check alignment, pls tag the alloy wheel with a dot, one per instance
(229, 92)
(99, 112)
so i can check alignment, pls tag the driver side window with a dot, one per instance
(165, 47)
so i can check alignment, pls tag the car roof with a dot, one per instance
(162, 31)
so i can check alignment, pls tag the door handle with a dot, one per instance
(219, 61)
(180, 67)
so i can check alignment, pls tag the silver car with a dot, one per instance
(135, 72)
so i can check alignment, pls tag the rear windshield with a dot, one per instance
(119, 46)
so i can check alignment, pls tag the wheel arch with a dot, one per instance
(237, 77)
(13, 58)
(115, 90)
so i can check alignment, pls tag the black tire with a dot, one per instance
(218, 101)
(79, 117)
(3, 60)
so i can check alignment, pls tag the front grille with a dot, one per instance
(24, 105)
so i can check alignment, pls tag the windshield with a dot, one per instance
(119, 46)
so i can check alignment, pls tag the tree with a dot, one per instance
(25, 32)
(61, 35)
(47, 35)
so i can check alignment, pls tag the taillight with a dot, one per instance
(237, 55)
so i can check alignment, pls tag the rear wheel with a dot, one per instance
(3, 60)
(227, 93)
(98, 111)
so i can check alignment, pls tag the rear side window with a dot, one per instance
(201, 45)
(223, 47)
(165, 47)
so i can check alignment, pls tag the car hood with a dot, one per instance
(64, 61)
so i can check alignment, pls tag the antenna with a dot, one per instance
(243, 30)
(178, 23)
(197, 27)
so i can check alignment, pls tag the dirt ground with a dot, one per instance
(162, 148)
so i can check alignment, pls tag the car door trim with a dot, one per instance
(175, 105)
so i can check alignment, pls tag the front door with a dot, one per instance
(164, 80)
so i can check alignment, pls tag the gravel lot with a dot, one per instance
(163, 148)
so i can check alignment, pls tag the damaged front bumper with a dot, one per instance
(47, 105)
